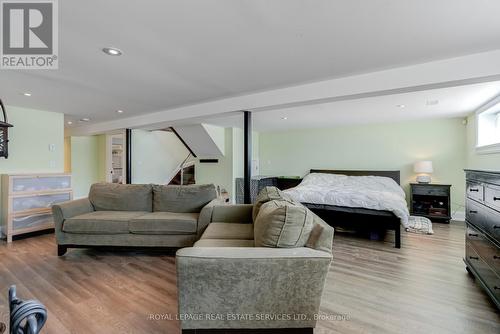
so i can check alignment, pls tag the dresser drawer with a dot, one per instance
(484, 272)
(475, 191)
(486, 219)
(22, 184)
(32, 221)
(474, 214)
(492, 196)
(34, 202)
(435, 190)
(488, 251)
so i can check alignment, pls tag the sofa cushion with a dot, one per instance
(224, 243)
(121, 197)
(165, 223)
(228, 231)
(190, 198)
(282, 224)
(101, 222)
(267, 194)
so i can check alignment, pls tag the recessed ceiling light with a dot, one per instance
(27, 94)
(400, 106)
(284, 118)
(112, 51)
(119, 111)
(85, 119)
(70, 122)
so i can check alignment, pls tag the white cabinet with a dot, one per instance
(27, 200)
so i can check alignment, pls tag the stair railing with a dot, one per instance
(183, 165)
(180, 168)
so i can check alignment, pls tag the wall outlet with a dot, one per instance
(52, 147)
(255, 167)
(52, 164)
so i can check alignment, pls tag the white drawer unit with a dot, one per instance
(27, 200)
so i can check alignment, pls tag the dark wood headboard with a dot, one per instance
(393, 174)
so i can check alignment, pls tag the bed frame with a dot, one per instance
(359, 218)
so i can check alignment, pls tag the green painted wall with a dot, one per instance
(220, 173)
(479, 161)
(88, 159)
(33, 132)
(374, 146)
(231, 165)
(29, 140)
(101, 158)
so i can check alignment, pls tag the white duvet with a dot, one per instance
(369, 192)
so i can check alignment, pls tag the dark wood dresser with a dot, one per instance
(482, 239)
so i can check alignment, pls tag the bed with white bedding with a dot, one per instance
(374, 195)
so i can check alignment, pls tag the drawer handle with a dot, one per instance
(473, 235)
(474, 190)
(472, 211)
(496, 226)
(496, 198)
(496, 288)
(473, 258)
(496, 257)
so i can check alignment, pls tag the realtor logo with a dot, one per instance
(29, 34)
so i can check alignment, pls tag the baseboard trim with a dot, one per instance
(458, 215)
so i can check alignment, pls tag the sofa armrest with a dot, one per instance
(235, 213)
(206, 215)
(65, 210)
(268, 287)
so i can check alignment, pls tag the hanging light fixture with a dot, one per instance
(4, 133)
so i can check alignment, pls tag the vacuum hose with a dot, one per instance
(26, 317)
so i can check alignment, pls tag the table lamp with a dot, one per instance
(423, 169)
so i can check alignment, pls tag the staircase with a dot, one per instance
(186, 174)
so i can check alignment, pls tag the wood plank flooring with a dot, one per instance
(371, 288)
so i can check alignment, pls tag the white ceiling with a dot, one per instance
(186, 51)
(429, 104)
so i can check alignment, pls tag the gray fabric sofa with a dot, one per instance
(137, 215)
(260, 267)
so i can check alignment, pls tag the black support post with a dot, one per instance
(128, 155)
(247, 163)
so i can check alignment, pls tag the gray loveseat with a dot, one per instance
(137, 215)
(260, 267)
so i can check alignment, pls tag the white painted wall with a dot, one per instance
(394, 146)
(155, 155)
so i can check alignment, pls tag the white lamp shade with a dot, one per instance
(423, 167)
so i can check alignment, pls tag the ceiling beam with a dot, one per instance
(476, 68)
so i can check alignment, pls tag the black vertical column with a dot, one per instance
(128, 155)
(247, 158)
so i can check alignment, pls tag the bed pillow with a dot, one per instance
(267, 194)
(282, 224)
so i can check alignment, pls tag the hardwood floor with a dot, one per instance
(372, 287)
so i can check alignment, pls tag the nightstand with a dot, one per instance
(431, 201)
